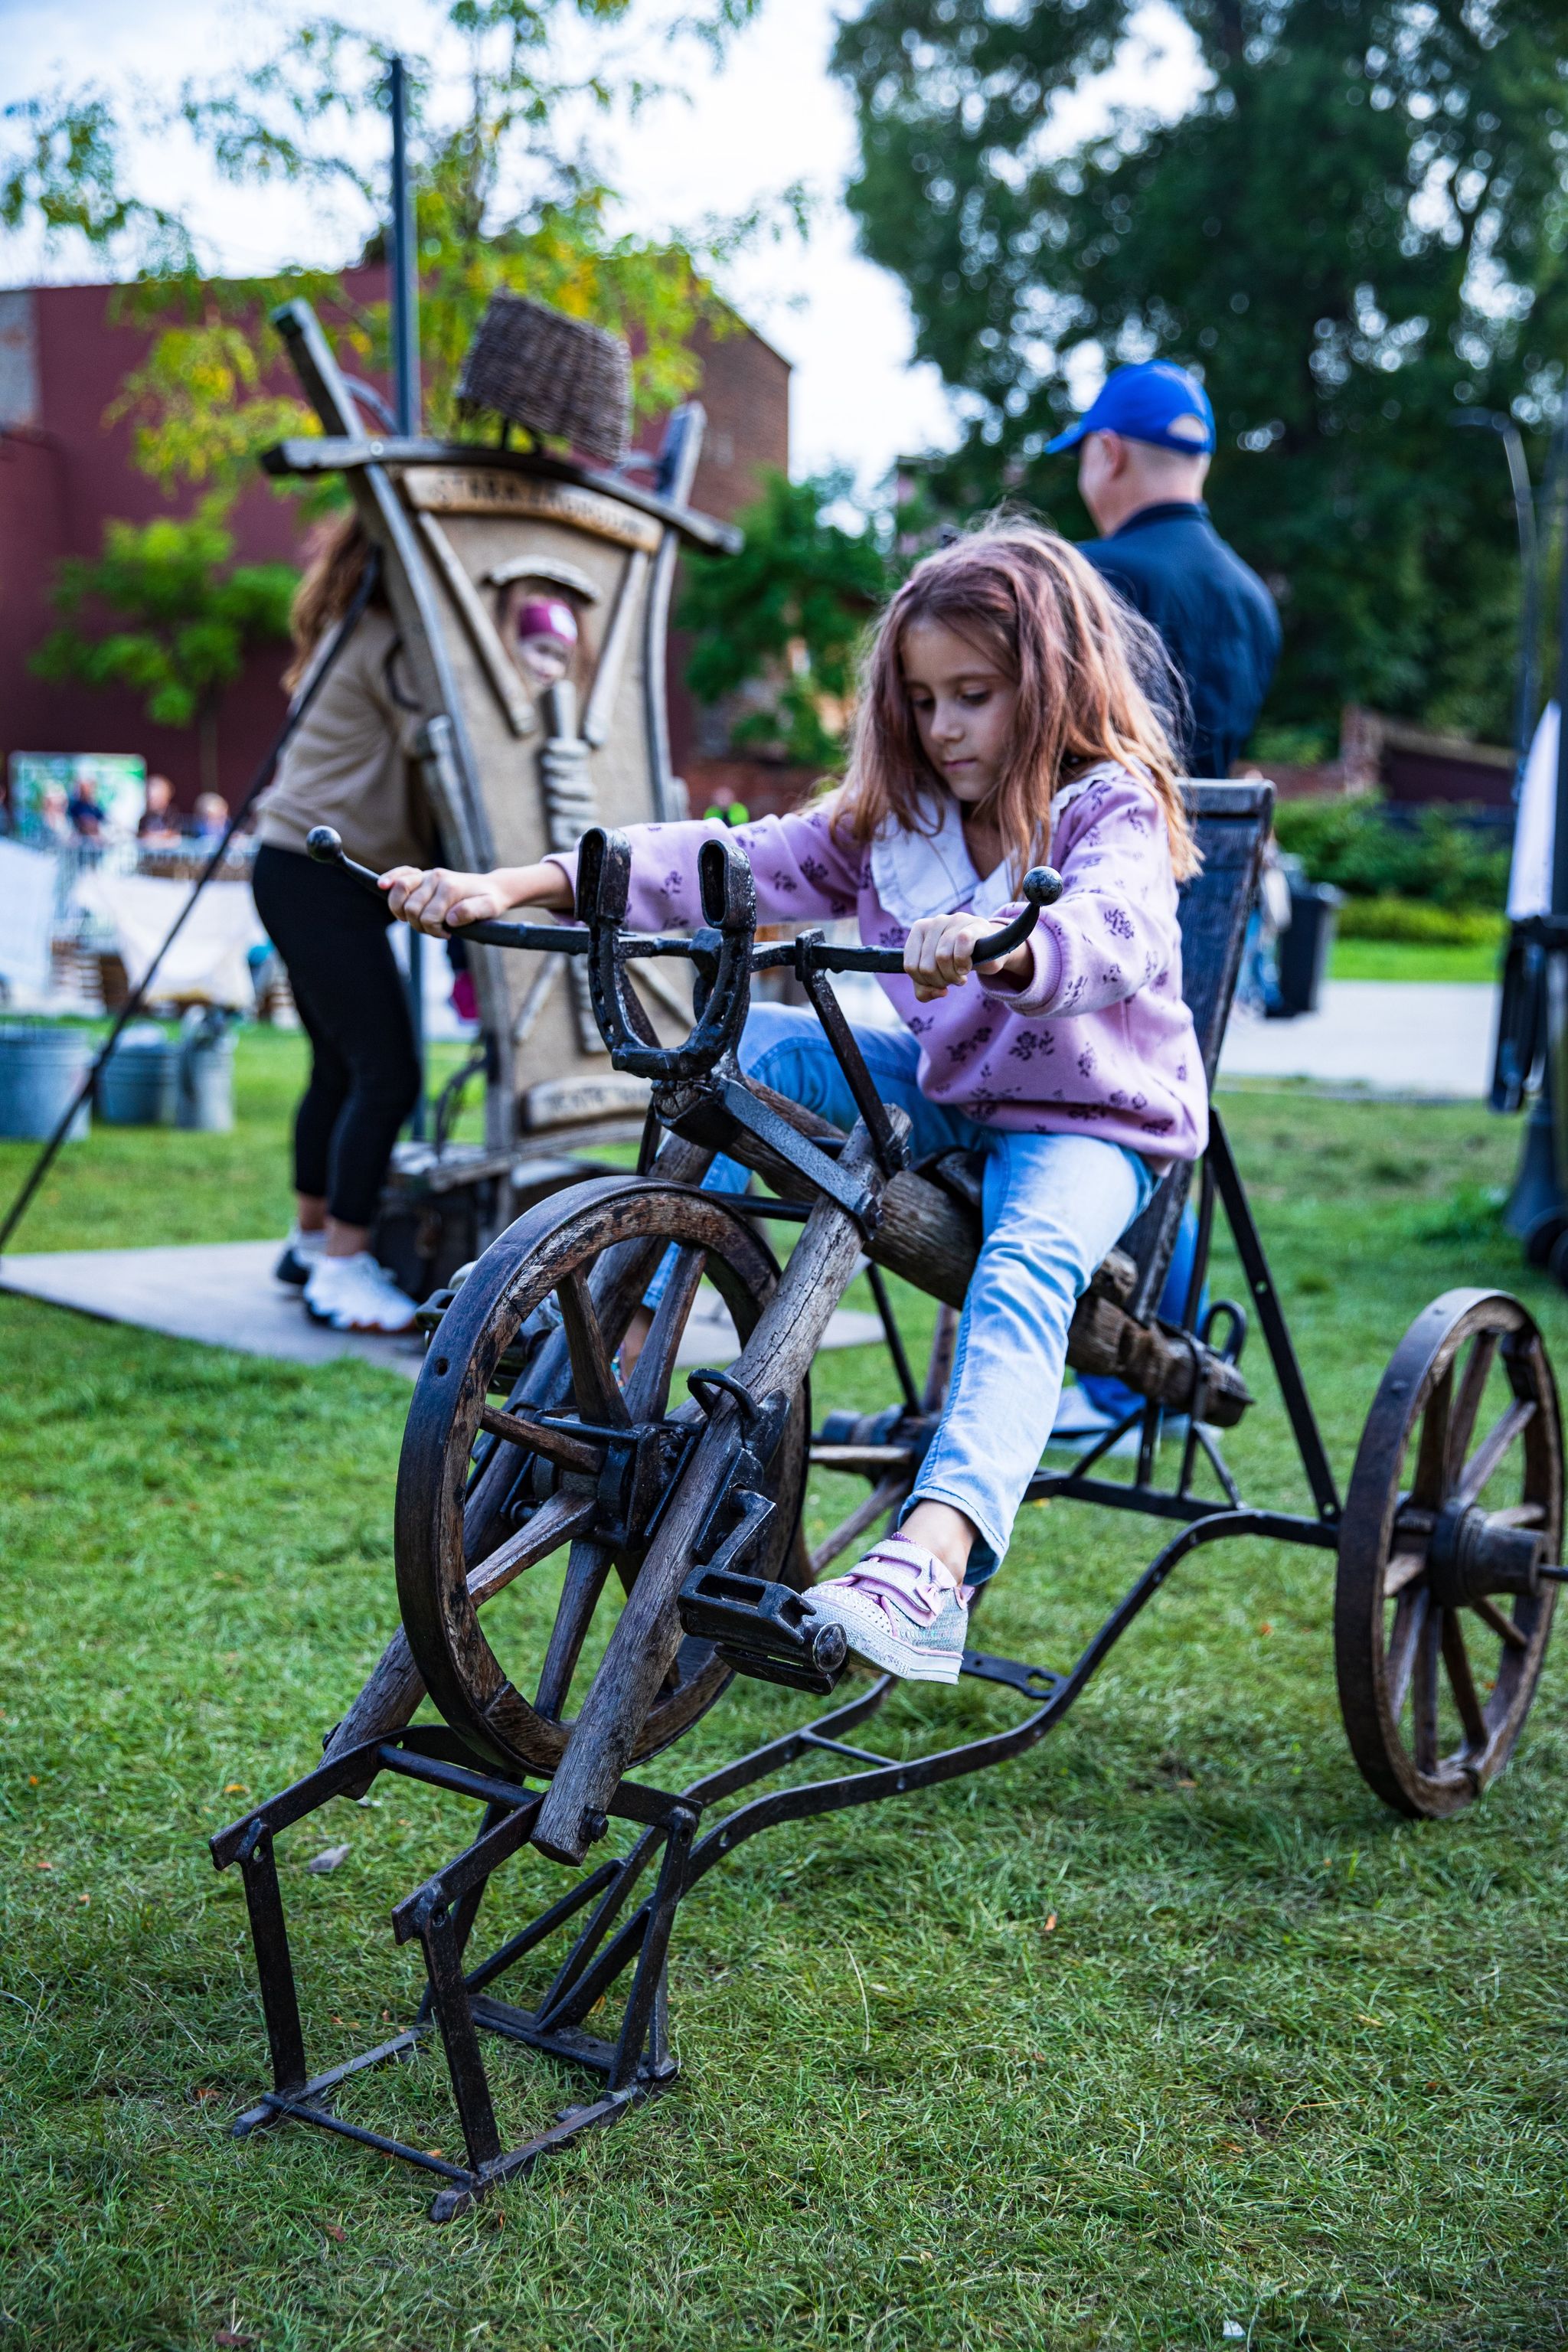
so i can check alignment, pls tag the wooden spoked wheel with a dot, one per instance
(1441, 1616)
(574, 1456)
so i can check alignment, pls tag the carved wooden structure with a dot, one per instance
(467, 534)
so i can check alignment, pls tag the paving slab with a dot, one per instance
(1392, 1036)
(223, 1293)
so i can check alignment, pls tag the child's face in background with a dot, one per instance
(544, 660)
(963, 708)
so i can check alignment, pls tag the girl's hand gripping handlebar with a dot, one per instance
(724, 951)
(326, 847)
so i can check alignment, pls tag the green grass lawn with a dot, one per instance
(1412, 959)
(123, 1186)
(1165, 2025)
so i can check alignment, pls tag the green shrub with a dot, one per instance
(1420, 922)
(1356, 845)
(1293, 747)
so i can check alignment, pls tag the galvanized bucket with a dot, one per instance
(139, 1085)
(42, 1063)
(207, 1075)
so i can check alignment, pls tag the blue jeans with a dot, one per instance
(1052, 1206)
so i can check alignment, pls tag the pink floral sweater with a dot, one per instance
(1096, 1038)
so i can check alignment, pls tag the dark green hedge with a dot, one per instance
(1357, 844)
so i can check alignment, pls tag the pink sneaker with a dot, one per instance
(901, 1610)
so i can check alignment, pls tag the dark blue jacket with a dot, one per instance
(1215, 615)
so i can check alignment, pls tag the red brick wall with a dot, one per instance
(62, 475)
(64, 471)
(745, 391)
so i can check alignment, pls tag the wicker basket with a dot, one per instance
(552, 375)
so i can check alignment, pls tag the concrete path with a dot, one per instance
(223, 1293)
(1395, 1036)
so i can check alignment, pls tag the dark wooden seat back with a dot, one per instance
(1232, 824)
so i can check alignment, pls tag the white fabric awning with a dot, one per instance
(207, 963)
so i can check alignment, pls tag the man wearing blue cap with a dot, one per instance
(1144, 448)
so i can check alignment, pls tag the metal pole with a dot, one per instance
(404, 252)
(405, 262)
(1537, 1210)
(1529, 595)
(1493, 421)
(1556, 965)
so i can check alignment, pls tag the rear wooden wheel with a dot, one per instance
(1441, 1618)
(575, 1455)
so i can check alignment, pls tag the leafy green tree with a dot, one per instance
(500, 202)
(784, 617)
(182, 616)
(1355, 232)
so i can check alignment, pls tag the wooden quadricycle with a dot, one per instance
(674, 1503)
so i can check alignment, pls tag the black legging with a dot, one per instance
(364, 1073)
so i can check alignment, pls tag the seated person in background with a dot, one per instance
(54, 814)
(86, 816)
(212, 816)
(160, 820)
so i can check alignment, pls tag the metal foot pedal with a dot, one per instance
(1035, 1681)
(762, 1629)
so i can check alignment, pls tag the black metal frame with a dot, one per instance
(615, 1941)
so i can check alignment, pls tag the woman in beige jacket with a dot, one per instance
(351, 766)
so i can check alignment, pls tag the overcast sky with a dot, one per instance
(770, 114)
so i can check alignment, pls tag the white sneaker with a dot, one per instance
(355, 1294)
(899, 1610)
(302, 1254)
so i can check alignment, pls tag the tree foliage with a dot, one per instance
(181, 617)
(786, 615)
(1364, 849)
(1355, 232)
(501, 200)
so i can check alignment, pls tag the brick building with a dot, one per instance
(65, 470)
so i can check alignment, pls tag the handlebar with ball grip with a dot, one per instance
(326, 847)
(1041, 887)
(724, 950)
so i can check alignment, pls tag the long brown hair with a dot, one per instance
(1093, 681)
(337, 553)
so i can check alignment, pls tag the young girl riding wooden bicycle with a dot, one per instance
(1007, 715)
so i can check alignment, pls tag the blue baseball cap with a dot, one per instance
(1155, 401)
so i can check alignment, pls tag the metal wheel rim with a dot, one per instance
(572, 1228)
(1385, 1666)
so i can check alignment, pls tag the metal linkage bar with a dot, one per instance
(811, 1799)
(1190, 1306)
(893, 1336)
(269, 1933)
(890, 1146)
(517, 1947)
(758, 1118)
(1271, 1315)
(638, 2063)
(1159, 1503)
(808, 1800)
